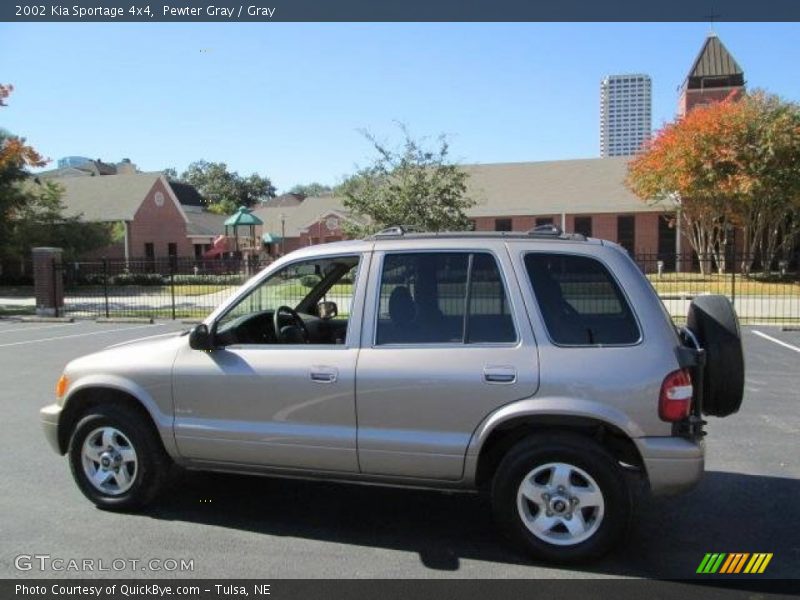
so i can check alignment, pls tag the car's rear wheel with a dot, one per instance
(116, 458)
(562, 498)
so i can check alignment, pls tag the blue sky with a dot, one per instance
(288, 100)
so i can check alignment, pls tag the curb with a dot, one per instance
(790, 328)
(124, 320)
(47, 319)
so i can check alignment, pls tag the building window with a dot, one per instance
(149, 257)
(544, 221)
(626, 232)
(172, 249)
(583, 225)
(666, 241)
(198, 250)
(502, 225)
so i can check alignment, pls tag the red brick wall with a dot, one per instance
(159, 225)
(691, 98)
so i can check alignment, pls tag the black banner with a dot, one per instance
(396, 10)
(206, 589)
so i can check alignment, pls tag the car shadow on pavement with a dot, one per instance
(727, 512)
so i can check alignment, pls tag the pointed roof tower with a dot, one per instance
(714, 67)
(714, 76)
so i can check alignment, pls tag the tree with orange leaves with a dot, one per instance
(735, 162)
(15, 157)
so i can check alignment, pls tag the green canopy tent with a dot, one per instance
(242, 218)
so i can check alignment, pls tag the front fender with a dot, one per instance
(162, 418)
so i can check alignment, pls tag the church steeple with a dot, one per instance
(714, 75)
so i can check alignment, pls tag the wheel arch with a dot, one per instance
(497, 441)
(88, 394)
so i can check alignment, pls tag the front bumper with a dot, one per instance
(673, 464)
(49, 417)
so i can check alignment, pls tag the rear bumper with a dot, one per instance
(674, 465)
(49, 416)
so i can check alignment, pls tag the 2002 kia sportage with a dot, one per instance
(539, 367)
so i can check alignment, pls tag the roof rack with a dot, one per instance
(395, 231)
(549, 230)
(544, 232)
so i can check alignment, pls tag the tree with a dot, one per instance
(224, 190)
(310, 189)
(727, 163)
(411, 185)
(15, 157)
(40, 222)
(30, 214)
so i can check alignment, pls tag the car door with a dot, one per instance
(286, 405)
(442, 347)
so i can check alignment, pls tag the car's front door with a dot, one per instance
(269, 397)
(441, 349)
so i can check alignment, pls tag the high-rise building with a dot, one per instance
(714, 76)
(625, 114)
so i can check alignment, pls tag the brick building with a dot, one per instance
(158, 219)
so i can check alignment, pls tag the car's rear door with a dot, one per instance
(443, 345)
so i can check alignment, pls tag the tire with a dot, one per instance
(714, 323)
(539, 462)
(123, 451)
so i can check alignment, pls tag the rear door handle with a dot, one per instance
(322, 374)
(499, 374)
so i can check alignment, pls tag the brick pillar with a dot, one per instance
(48, 282)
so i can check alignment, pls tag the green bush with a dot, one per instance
(209, 279)
(310, 281)
(136, 279)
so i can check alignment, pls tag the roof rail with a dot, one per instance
(394, 231)
(548, 230)
(551, 230)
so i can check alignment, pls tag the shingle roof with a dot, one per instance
(588, 186)
(204, 223)
(106, 198)
(284, 200)
(298, 217)
(187, 194)
(592, 185)
(715, 62)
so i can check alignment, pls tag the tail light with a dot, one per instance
(675, 401)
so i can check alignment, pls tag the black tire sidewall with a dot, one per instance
(149, 466)
(584, 454)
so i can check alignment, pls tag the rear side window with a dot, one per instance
(581, 303)
(437, 298)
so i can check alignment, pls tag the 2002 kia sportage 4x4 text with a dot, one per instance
(541, 368)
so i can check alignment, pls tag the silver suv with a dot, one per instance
(540, 368)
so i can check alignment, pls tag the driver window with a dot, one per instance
(313, 299)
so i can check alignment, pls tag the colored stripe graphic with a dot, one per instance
(711, 563)
(722, 563)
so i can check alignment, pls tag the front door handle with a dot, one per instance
(499, 374)
(323, 374)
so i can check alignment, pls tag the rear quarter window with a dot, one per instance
(580, 301)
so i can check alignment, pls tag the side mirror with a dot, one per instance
(200, 338)
(327, 310)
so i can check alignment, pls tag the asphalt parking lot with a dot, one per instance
(233, 526)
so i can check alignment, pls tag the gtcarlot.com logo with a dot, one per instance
(734, 563)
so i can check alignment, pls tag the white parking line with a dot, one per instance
(64, 337)
(36, 328)
(777, 341)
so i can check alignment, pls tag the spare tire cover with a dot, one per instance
(714, 322)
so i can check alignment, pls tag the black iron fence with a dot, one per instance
(170, 287)
(759, 295)
(189, 288)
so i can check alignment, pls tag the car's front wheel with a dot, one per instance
(116, 458)
(563, 498)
